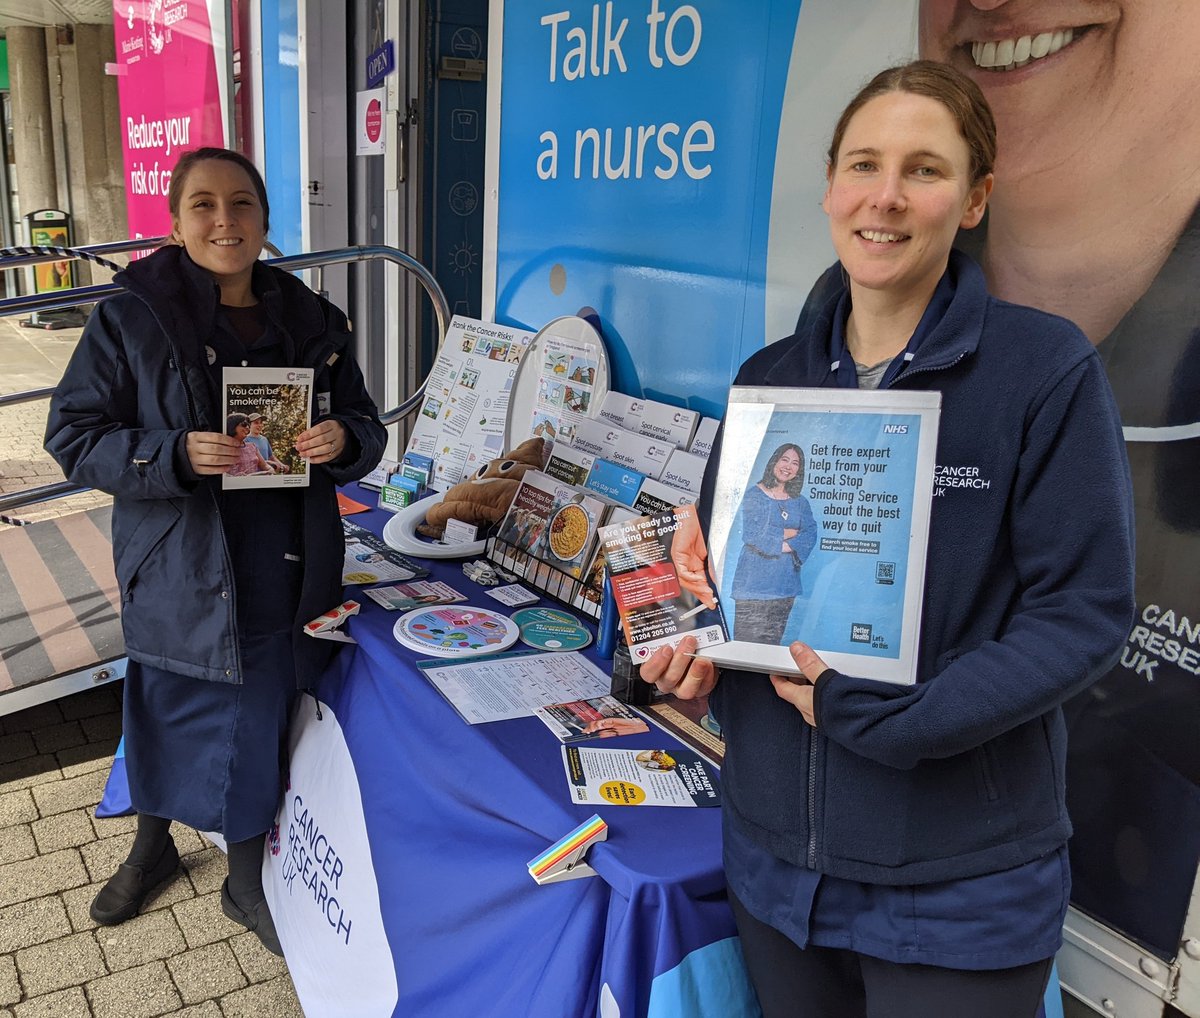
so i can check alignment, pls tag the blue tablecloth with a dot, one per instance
(450, 814)
(453, 814)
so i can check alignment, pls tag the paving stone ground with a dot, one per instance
(181, 956)
(33, 359)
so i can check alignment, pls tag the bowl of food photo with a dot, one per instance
(568, 531)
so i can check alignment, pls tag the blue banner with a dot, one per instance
(633, 180)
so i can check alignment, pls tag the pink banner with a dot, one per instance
(169, 69)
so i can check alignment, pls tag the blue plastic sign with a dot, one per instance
(381, 63)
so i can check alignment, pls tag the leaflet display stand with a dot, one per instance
(575, 592)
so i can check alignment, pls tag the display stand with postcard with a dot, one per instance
(862, 465)
(463, 417)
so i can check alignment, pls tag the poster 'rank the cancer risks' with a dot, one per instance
(461, 423)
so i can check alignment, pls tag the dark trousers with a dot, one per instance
(825, 982)
(762, 621)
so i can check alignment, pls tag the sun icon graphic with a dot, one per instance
(464, 257)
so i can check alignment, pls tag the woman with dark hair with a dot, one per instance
(249, 461)
(900, 850)
(778, 535)
(213, 669)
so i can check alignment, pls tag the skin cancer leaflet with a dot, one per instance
(513, 685)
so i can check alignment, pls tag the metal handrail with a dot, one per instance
(28, 396)
(289, 263)
(110, 247)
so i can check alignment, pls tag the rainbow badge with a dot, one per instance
(564, 859)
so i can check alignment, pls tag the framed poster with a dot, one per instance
(820, 525)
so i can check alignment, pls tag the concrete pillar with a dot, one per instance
(112, 138)
(96, 185)
(33, 136)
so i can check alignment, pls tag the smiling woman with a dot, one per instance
(220, 214)
(1096, 216)
(1101, 115)
(903, 849)
(214, 667)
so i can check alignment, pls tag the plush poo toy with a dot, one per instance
(485, 498)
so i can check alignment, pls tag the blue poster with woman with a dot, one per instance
(778, 535)
(819, 521)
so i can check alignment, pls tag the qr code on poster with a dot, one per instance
(885, 572)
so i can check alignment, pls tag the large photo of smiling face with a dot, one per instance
(1093, 216)
(1099, 142)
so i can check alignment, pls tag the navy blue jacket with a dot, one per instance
(137, 383)
(1028, 599)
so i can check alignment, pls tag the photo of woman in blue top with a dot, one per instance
(900, 850)
(778, 534)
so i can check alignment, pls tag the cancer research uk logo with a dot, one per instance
(313, 866)
(946, 476)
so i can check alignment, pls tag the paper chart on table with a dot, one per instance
(514, 685)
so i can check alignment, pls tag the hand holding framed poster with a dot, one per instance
(819, 527)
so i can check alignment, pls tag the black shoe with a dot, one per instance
(124, 893)
(257, 919)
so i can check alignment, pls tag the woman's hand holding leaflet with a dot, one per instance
(324, 442)
(678, 672)
(210, 452)
(799, 692)
(690, 557)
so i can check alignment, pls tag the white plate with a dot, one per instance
(455, 630)
(400, 532)
(523, 399)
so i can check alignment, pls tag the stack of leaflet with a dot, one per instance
(646, 455)
(548, 539)
(640, 457)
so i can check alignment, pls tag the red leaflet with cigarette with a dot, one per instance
(658, 566)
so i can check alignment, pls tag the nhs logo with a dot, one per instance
(895, 429)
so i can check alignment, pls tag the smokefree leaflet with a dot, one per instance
(267, 409)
